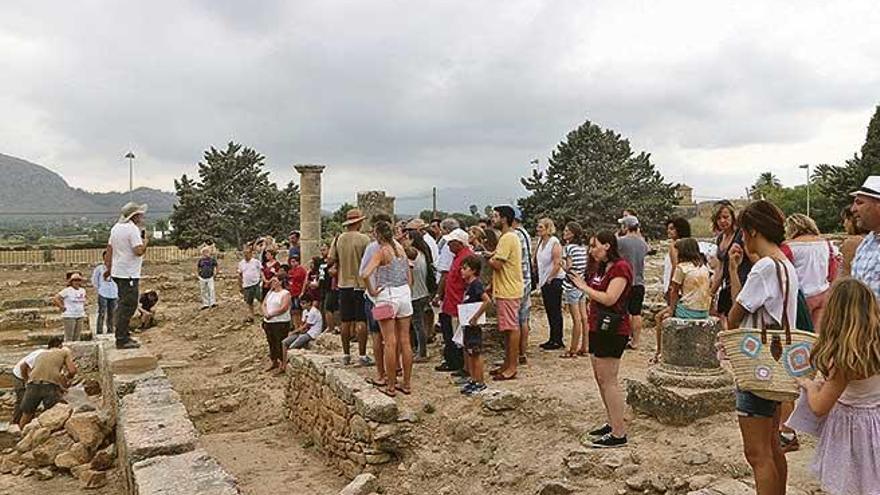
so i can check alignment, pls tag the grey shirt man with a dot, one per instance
(634, 249)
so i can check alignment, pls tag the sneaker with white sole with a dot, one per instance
(365, 361)
(601, 431)
(609, 441)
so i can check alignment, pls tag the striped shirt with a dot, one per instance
(866, 264)
(577, 253)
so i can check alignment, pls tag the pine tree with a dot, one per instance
(593, 175)
(233, 202)
(836, 182)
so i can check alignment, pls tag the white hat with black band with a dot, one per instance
(870, 188)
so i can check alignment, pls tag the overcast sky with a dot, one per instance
(402, 95)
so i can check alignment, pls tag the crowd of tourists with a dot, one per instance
(763, 270)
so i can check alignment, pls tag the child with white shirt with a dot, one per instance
(311, 327)
(72, 302)
(108, 293)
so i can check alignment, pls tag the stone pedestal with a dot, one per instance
(309, 210)
(373, 202)
(689, 383)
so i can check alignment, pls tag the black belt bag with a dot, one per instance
(608, 321)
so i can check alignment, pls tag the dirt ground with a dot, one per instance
(457, 447)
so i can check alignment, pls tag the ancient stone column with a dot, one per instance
(309, 209)
(689, 383)
(373, 202)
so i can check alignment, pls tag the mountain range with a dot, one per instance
(31, 190)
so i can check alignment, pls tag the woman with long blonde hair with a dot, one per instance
(847, 399)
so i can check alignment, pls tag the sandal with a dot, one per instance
(502, 378)
(404, 391)
(582, 353)
(376, 383)
(389, 392)
(568, 355)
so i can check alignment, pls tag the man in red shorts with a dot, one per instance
(507, 288)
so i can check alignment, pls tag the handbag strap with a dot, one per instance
(785, 287)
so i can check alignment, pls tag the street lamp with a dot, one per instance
(130, 157)
(807, 167)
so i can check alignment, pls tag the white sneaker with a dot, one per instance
(365, 361)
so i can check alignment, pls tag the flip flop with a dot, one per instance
(582, 353)
(404, 391)
(376, 383)
(502, 378)
(389, 393)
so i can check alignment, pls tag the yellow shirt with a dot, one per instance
(507, 283)
(695, 286)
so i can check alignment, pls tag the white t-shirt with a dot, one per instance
(811, 262)
(124, 238)
(545, 260)
(762, 292)
(446, 258)
(251, 272)
(74, 302)
(273, 304)
(30, 359)
(314, 321)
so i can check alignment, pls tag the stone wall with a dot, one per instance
(157, 444)
(373, 202)
(354, 424)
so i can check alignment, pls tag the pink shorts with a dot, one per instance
(508, 314)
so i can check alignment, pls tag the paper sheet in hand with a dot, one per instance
(467, 311)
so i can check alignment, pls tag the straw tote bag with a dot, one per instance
(767, 361)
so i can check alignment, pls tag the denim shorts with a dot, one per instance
(525, 305)
(751, 406)
(572, 296)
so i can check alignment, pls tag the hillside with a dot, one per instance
(28, 189)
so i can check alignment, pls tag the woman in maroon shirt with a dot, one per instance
(607, 286)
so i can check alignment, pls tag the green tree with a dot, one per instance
(766, 186)
(592, 176)
(836, 182)
(233, 201)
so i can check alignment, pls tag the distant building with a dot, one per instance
(685, 195)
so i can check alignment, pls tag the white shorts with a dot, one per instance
(399, 297)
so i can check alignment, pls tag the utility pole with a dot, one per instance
(130, 157)
(434, 202)
(807, 166)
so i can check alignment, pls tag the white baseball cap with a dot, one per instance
(457, 235)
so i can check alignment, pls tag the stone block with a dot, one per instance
(501, 400)
(678, 405)
(92, 479)
(129, 361)
(184, 474)
(372, 404)
(33, 437)
(153, 421)
(45, 454)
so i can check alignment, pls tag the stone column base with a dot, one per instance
(681, 395)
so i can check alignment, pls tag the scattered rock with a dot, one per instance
(227, 369)
(77, 470)
(695, 458)
(428, 408)
(45, 454)
(84, 408)
(408, 417)
(104, 458)
(86, 428)
(92, 479)
(729, 486)
(28, 472)
(33, 437)
(555, 488)
(363, 484)
(501, 400)
(44, 474)
(55, 417)
(66, 460)
(699, 482)
(92, 387)
(627, 470)
(637, 482)
(211, 406)
(229, 404)
(658, 484)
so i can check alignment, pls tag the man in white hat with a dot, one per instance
(126, 248)
(866, 212)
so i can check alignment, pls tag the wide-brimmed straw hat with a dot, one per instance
(870, 188)
(132, 209)
(353, 216)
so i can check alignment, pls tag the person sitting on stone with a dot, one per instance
(690, 295)
(147, 309)
(47, 380)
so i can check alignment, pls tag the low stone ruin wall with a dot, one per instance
(157, 444)
(354, 424)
